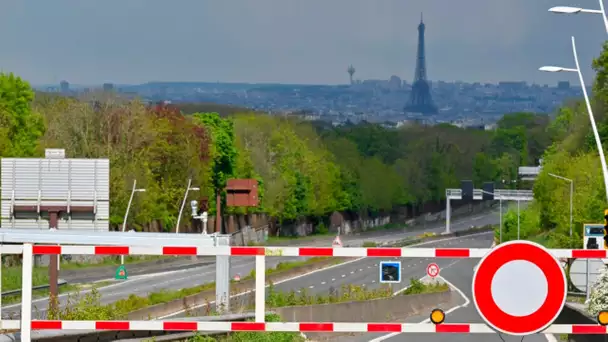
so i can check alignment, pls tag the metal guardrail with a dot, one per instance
(61, 282)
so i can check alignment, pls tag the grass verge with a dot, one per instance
(88, 307)
(347, 293)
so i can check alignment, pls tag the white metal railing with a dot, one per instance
(478, 193)
(529, 170)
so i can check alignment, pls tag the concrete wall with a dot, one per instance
(377, 310)
(573, 314)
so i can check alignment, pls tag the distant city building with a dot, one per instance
(351, 71)
(563, 85)
(64, 86)
(108, 87)
(394, 83)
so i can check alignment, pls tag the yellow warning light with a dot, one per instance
(438, 316)
(602, 317)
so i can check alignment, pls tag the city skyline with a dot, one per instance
(123, 43)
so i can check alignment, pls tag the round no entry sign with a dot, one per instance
(432, 270)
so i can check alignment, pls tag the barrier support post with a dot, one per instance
(26, 293)
(448, 210)
(1, 247)
(260, 288)
(222, 279)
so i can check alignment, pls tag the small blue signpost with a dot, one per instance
(390, 272)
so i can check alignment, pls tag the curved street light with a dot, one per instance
(181, 209)
(576, 10)
(589, 110)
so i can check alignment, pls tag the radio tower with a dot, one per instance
(351, 72)
(420, 99)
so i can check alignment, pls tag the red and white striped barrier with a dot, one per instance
(476, 328)
(405, 252)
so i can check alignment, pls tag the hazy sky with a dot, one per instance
(290, 41)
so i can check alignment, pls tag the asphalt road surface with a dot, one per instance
(174, 280)
(460, 274)
(365, 271)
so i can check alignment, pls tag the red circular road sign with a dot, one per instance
(519, 288)
(432, 270)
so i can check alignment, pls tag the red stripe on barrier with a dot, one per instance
(46, 249)
(248, 326)
(46, 325)
(112, 325)
(453, 328)
(184, 326)
(386, 327)
(452, 253)
(384, 252)
(180, 250)
(315, 251)
(324, 327)
(112, 250)
(590, 253)
(245, 251)
(588, 329)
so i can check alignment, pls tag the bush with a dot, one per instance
(87, 308)
(369, 244)
(418, 287)
(598, 300)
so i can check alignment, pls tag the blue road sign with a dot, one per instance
(390, 271)
(593, 237)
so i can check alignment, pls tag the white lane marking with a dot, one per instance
(323, 283)
(466, 303)
(315, 271)
(311, 286)
(550, 338)
(277, 283)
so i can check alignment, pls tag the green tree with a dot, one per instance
(20, 126)
(223, 152)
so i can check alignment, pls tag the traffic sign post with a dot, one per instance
(432, 270)
(519, 288)
(121, 273)
(390, 272)
(337, 242)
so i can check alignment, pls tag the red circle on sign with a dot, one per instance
(432, 270)
(556, 288)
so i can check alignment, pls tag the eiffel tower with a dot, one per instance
(420, 98)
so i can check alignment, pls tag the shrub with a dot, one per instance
(598, 300)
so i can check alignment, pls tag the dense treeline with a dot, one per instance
(572, 154)
(304, 170)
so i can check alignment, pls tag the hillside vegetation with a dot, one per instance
(572, 154)
(305, 171)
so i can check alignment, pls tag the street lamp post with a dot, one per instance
(589, 110)
(181, 209)
(576, 10)
(571, 193)
(518, 219)
(124, 224)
